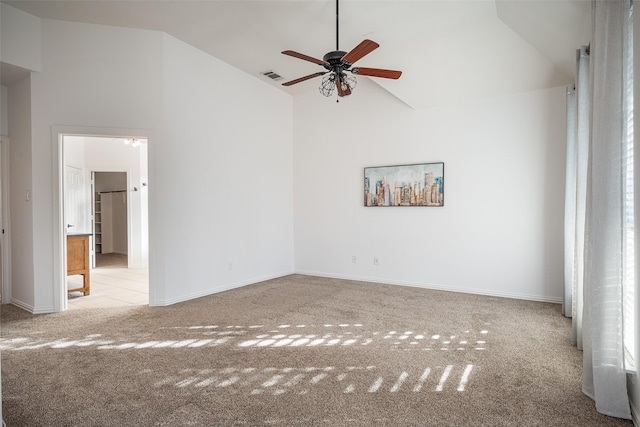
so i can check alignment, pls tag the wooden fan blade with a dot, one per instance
(305, 57)
(377, 72)
(364, 48)
(301, 79)
(342, 90)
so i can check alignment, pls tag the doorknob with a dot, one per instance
(70, 225)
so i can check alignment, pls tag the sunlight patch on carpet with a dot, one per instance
(348, 380)
(261, 336)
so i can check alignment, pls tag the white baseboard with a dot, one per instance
(252, 281)
(228, 287)
(22, 305)
(31, 309)
(539, 298)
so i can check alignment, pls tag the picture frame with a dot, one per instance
(413, 185)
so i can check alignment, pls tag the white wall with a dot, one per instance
(220, 202)
(21, 38)
(93, 76)
(500, 231)
(20, 48)
(23, 237)
(222, 171)
(4, 116)
(225, 207)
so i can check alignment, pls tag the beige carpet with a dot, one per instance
(298, 351)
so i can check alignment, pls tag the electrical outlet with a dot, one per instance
(376, 260)
(354, 259)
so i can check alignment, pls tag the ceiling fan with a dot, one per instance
(338, 62)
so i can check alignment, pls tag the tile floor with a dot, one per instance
(112, 285)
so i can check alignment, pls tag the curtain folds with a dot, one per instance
(576, 193)
(570, 206)
(595, 206)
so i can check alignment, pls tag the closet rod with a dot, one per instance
(113, 191)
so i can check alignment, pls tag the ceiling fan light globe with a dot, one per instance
(350, 81)
(328, 85)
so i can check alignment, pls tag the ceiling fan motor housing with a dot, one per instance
(334, 59)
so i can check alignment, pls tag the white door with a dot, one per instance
(77, 207)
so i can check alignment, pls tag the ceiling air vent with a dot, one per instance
(272, 75)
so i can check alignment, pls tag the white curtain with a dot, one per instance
(570, 205)
(578, 127)
(594, 225)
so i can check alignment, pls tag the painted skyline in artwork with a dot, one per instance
(404, 185)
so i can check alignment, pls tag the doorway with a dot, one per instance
(112, 197)
(110, 224)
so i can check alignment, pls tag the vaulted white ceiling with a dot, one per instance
(449, 50)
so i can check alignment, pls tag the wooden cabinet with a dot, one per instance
(78, 260)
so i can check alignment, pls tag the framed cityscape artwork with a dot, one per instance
(404, 185)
